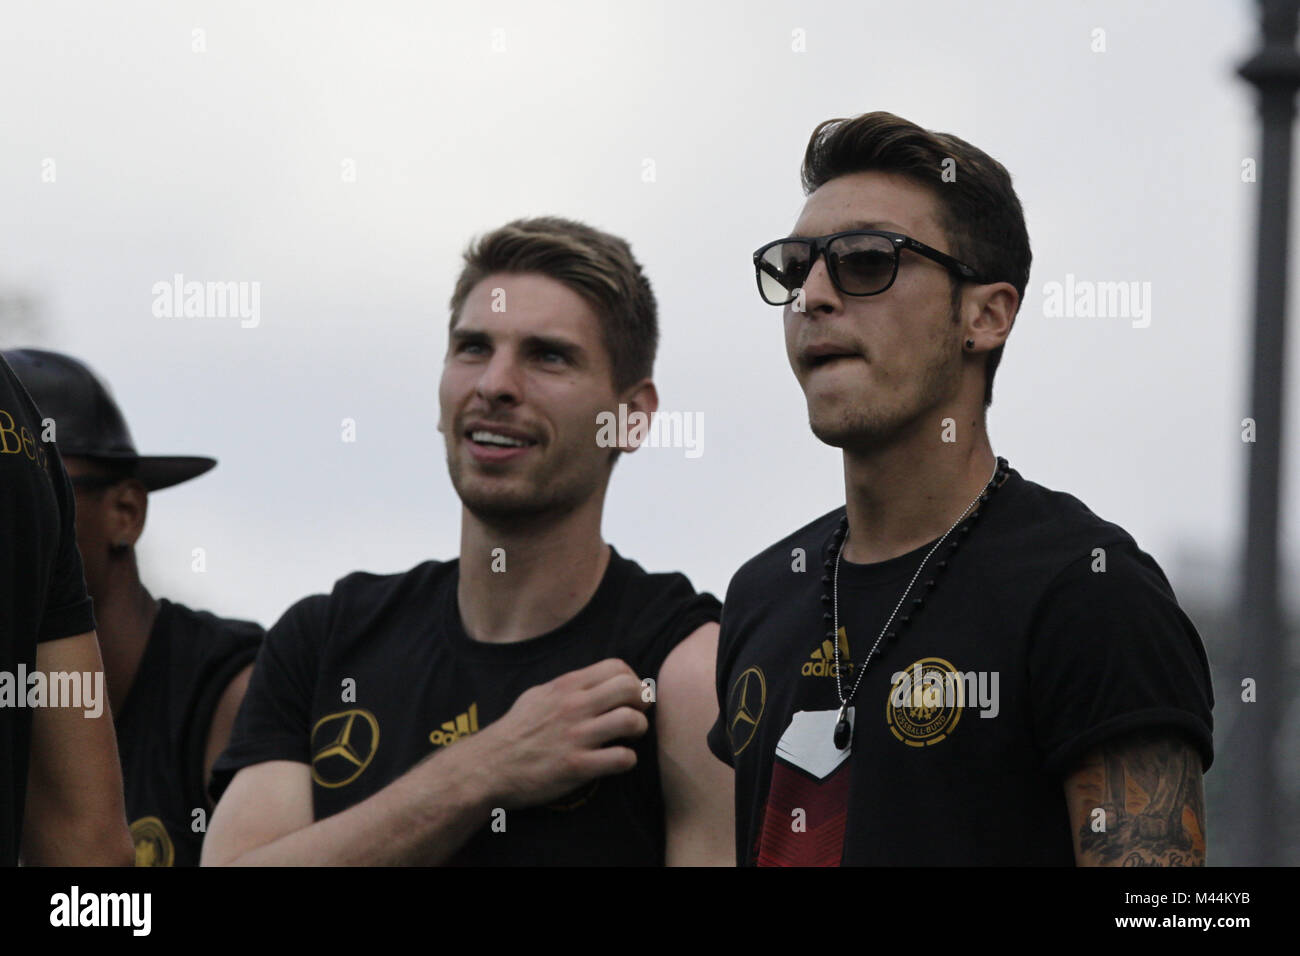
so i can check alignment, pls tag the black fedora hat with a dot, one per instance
(88, 423)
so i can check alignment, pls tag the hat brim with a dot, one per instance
(162, 472)
(156, 472)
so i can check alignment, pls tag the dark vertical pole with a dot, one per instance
(1275, 72)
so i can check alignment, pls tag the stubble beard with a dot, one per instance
(891, 418)
(535, 497)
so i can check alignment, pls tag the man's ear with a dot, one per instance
(993, 313)
(127, 504)
(642, 397)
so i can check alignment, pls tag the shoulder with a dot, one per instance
(766, 579)
(800, 552)
(1045, 517)
(363, 596)
(203, 646)
(321, 627)
(1042, 539)
(182, 620)
(654, 612)
(369, 586)
(1077, 572)
(1116, 602)
(641, 589)
(192, 649)
(1109, 649)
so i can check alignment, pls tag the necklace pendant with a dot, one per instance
(843, 732)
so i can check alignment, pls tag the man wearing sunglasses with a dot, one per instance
(959, 666)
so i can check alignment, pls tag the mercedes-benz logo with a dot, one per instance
(345, 747)
(745, 705)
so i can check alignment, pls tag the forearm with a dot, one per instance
(556, 737)
(421, 819)
(1111, 828)
(68, 841)
(700, 848)
(75, 810)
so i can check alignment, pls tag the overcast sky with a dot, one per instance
(133, 148)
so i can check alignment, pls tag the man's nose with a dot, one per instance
(501, 380)
(819, 292)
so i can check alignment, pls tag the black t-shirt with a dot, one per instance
(42, 590)
(365, 683)
(1024, 656)
(162, 729)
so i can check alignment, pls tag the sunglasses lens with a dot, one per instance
(781, 270)
(862, 265)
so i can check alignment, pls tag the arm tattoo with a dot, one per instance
(1149, 787)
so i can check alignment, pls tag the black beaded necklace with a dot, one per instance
(830, 596)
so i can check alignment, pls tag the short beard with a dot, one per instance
(515, 511)
(879, 427)
(539, 503)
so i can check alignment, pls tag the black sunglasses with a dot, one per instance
(860, 262)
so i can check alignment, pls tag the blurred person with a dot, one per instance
(539, 700)
(60, 784)
(964, 667)
(175, 676)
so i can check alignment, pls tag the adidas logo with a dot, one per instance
(452, 730)
(821, 663)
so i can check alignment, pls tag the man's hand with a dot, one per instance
(550, 742)
(1138, 801)
(556, 737)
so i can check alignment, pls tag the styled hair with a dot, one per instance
(978, 208)
(596, 265)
